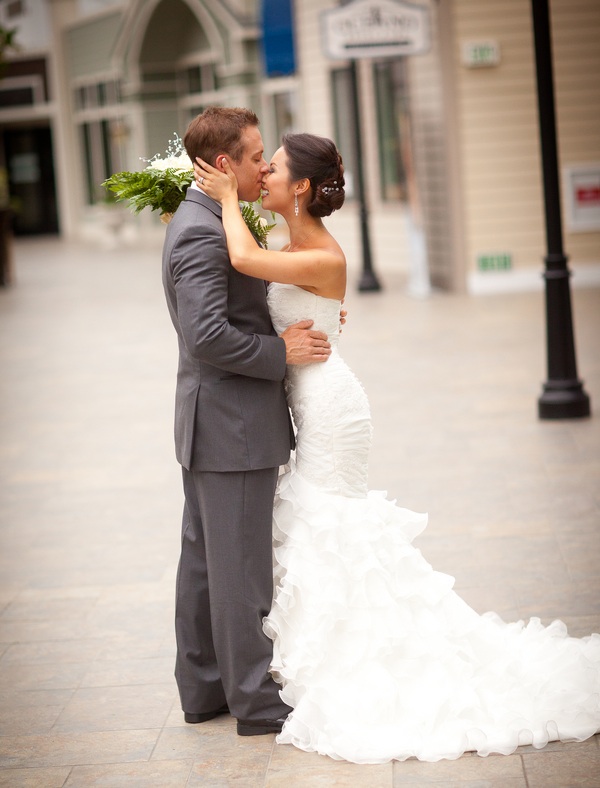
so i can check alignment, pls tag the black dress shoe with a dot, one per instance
(259, 727)
(193, 719)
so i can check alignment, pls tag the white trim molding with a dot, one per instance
(527, 279)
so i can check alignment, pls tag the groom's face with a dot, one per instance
(252, 167)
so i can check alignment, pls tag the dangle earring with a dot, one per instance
(296, 204)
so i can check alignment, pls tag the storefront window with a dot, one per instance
(391, 96)
(102, 134)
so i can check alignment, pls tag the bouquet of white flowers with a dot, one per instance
(162, 186)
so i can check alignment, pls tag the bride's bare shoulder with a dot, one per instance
(334, 248)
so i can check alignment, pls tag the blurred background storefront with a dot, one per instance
(450, 141)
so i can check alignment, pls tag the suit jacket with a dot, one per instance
(230, 407)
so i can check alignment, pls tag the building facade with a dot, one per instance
(446, 179)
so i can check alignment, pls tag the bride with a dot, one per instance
(378, 657)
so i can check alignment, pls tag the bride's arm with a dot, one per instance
(316, 268)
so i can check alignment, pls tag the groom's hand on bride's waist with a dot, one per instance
(304, 345)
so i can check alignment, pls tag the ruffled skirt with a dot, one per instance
(380, 659)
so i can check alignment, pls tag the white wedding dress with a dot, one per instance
(378, 656)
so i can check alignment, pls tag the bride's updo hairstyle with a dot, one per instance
(316, 158)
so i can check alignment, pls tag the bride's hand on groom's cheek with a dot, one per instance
(216, 183)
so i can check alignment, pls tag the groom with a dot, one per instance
(232, 432)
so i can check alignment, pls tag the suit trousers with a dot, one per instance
(224, 590)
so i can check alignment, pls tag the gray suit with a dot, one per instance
(232, 431)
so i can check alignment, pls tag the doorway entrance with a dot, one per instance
(29, 161)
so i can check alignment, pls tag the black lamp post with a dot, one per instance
(563, 396)
(368, 280)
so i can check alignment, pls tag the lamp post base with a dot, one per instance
(368, 282)
(563, 399)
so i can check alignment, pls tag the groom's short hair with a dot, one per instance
(218, 130)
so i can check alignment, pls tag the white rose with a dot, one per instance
(181, 163)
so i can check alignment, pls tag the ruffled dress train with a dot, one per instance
(378, 657)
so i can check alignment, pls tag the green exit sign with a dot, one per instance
(501, 261)
(477, 54)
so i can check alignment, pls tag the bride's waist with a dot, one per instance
(331, 382)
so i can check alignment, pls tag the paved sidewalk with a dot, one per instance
(91, 497)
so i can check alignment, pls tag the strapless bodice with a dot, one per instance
(288, 304)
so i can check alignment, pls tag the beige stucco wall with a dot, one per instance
(498, 133)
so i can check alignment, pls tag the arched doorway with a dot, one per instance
(176, 62)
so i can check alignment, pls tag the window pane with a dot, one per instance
(284, 114)
(87, 162)
(91, 95)
(207, 77)
(194, 81)
(197, 109)
(80, 98)
(15, 8)
(392, 120)
(106, 149)
(197, 79)
(16, 97)
(119, 133)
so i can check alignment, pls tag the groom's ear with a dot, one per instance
(219, 162)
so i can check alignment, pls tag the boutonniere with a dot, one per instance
(162, 185)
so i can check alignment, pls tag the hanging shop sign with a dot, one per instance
(375, 28)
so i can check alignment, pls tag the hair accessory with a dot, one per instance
(296, 204)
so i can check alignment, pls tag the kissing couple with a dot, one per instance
(302, 608)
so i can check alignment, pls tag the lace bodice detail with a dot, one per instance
(329, 405)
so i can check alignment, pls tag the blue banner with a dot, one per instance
(277, 19)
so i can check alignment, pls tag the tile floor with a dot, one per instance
(90, 506)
